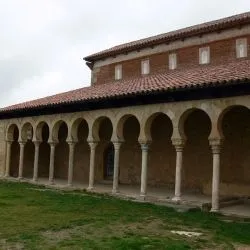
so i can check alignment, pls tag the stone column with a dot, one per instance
(71, 162)
(92, 165)
(144, 169)
(36, 158)
(117, 146)
(8, 157)
(52, 162)
(179, 146)
(20, 172)
(216, 149)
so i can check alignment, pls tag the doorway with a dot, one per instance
(109, 162)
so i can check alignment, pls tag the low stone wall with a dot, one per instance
(229, 189)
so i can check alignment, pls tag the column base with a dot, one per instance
(115, 191)
(69, 185)
(6, 176)
(142, 196)
(176, 199)
(90, 188)
(20, 178)
(34, 180)
(214, 210)
(52, 182)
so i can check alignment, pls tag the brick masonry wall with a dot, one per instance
(223, 51)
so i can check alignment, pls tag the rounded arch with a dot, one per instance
(74, 128)
(196, 126)
(149, 122)
(120, 125)
(12, 132)
(79, 132)
(55, 129)
(224, 112)
(26, 131)
(234, 125)
(101, 131)
(161, 161)
(60, 136)
(96, 127)
(129, 131)
(42, 134)
(186, 114)
(38, 133)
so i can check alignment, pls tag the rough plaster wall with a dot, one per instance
(161, 162)
(61, 160)
(2, 148)
(82, 154)
(235, 160)
(197, 159)
(44, 154)
(105, 133)
(44, 159)
(81, 162)
(62, 153)
(130, 154)
(15, 152)
(28, 160)
(14, 161)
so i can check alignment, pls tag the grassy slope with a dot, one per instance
(34, 218)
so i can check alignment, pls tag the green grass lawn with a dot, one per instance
(32, 217)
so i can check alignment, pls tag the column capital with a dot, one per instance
(37, 142)
(52, 143)
(178, 143)
(22, 143)
(71, 142)
(117, 144)
(144, 146)
(92, 144)
(216, 145)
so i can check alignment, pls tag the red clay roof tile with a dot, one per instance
(200, 76)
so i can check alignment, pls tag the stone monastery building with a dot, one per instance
(168, 113)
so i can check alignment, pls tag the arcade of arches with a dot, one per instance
(193, 147)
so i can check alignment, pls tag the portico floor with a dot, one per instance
(159, 195)
(239, 210)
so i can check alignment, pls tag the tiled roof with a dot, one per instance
(202, 76)
(216, 25)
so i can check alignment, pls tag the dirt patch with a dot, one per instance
(4, 245)
(241, 247)
(56, 236)
(149, 228)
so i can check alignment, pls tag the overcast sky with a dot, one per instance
(43, 41)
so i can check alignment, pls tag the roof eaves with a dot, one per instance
(172, 37)
(131, 94)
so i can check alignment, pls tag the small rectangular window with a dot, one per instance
(204, 55)
(172, 61)
(118, 72)
(145, 67)
(241, 47)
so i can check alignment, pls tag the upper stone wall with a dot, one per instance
(222, 50)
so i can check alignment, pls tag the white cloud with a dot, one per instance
(43, 41)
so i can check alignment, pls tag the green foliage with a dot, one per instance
(33, 217)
